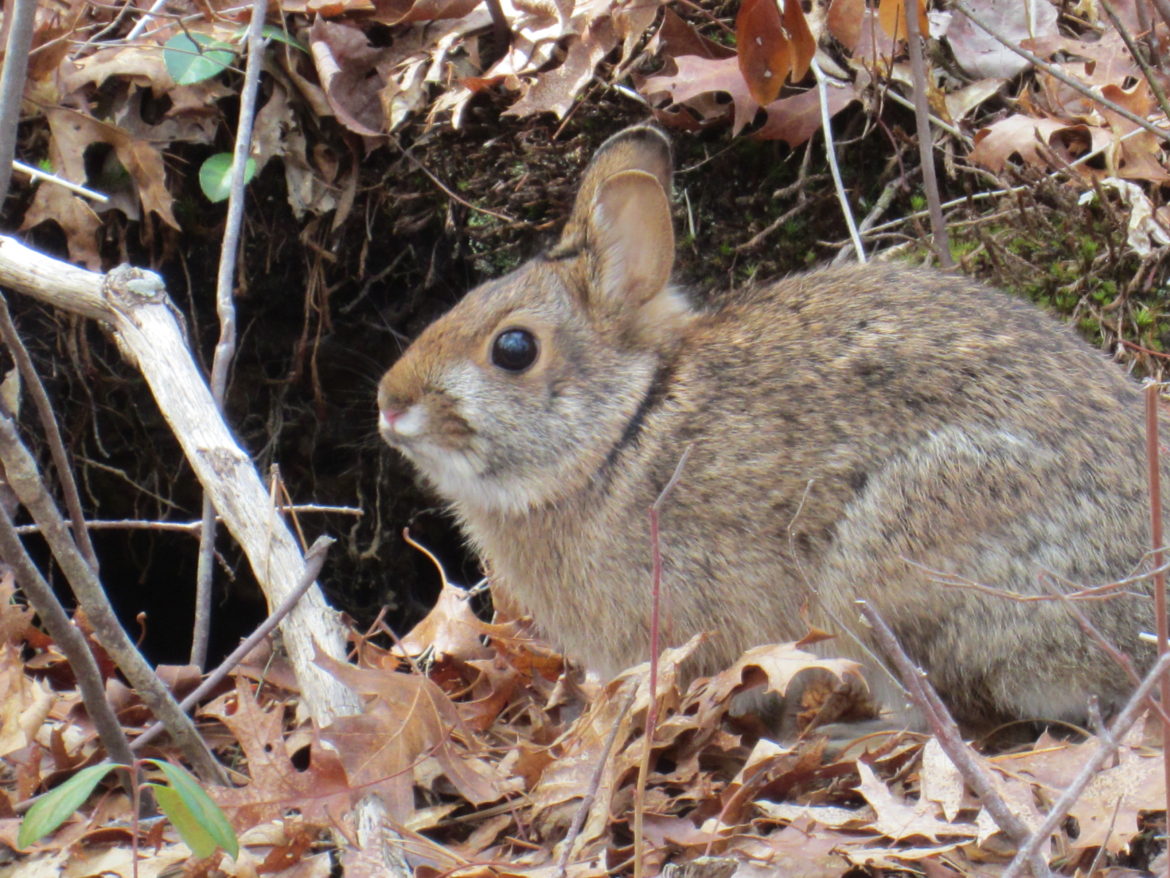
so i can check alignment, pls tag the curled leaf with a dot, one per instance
(771, 46)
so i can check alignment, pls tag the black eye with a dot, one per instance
(514, 350)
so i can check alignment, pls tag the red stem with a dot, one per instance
(1152, 456)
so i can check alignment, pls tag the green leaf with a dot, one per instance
(194, 57)
(272, 32)
(59, 804)
(193, 834)
(215, 175)
(194, 812)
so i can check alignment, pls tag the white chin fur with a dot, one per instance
(456, 476)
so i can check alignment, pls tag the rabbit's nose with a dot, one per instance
(398, 422)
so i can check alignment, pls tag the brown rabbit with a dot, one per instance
(850, 431)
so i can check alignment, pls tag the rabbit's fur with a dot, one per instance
(850, 431)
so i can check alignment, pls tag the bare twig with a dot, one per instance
(1128, 716)
(32, 383)
(1010, 190)
(1163, 7)
(68, 639)
(799, 188)
(314, 561)
(949, 737)
(225, 349)
(940, 124)
(501, 33)
(38, 174)
(594, 784)
(652, 709)
(21, 471)
(1162, 621)
(140, 25)
(12, 77)
(938, 224)
(191, 527)
(1105, 592)
(880, 206)
(1138, 56)
(831, 155)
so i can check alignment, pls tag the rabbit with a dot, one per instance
(851, 433)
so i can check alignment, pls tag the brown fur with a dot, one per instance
(850, 430)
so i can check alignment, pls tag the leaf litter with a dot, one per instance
(486, 757)
(434, 58)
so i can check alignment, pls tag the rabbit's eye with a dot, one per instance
(514, 350)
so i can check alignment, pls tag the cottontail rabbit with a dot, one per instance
(850, 431)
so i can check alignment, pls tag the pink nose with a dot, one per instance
(390, 417)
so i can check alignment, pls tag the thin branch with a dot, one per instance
(1138, 56)
(594, 784)
(1059, 810)
(32, 383)
(26, 482)
(880, 206)
(1010, 190)
(1163, 7)
(948, 735)
(191, 527)
(12, 77)
(68, 639)
(938, 223)
(1161, 619)
(940, 124)
(655, 646)
(831, 154)
(225, 349)
(140, 25)
(314, 561)
(454, 196)
(38, 174)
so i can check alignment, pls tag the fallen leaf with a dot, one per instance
(1025, 135)
(765, 48)
(1107, 812)
(409, 720)
(450, 629)
(795, 119)
(983, 56)
(942, 782)
(696, 76)
(897, 819)
(555, 90)
(319, 791)
(892, 16)
(351, 72)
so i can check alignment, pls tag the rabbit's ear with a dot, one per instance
(640, 148)
(630, 241)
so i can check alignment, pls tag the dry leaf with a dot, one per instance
(768, 48)
(795, 119)
(320, 791)
(695, 76)
(898, 819)
(982, 55)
